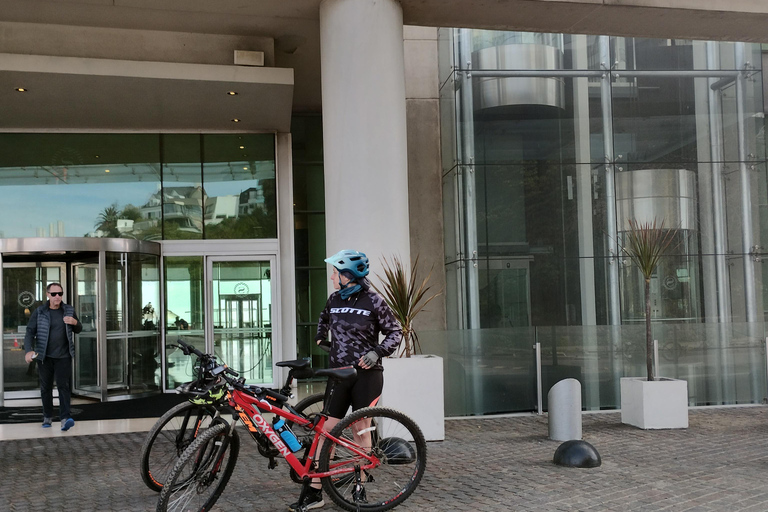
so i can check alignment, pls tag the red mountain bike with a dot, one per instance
(372, 460)
(175, 430)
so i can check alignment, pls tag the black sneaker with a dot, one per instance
(313, 499)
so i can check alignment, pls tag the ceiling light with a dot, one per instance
(106, 170)
(245, 168)
(235, 120)
(231, 93)
(21, 89)
(242, 147)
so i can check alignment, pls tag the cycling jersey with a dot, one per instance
(355, 324)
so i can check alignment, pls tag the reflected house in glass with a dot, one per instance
(183, 207)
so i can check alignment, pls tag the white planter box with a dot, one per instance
(414, 386)
(662, 403)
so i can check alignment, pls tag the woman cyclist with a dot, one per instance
(354, 316)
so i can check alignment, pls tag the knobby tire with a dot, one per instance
(398, 443)
(201, 474)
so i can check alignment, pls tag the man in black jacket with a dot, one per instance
(50, 340)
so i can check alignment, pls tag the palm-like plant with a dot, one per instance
(406, 297)
(645, 243)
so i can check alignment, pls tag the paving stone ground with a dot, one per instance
(720, 463)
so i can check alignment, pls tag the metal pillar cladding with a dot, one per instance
(539, 380)
(746, 197)
(364, 127)
(718, 200)
(467, 168)
(610, 187)
(718, 209)
(750, 298)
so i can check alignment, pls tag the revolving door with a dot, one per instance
(114, 286)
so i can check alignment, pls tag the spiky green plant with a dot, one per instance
(645, 243)
(406, 297)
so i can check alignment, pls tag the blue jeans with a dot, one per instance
(61, 370)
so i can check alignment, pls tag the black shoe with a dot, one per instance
(313, 499)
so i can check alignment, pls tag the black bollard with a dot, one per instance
(577, 454)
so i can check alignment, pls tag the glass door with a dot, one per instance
(85, 301)
(240, 295)
(23, 291)
(132, 285)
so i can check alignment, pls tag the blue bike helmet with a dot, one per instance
(354, 262)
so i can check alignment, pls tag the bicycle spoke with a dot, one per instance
(398, 445)
(202, 472)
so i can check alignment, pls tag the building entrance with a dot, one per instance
(114, 286)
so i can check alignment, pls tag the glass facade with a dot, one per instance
(142, 186)
(551, 144)
(309, 234)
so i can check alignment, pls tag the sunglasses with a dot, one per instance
(54, 294)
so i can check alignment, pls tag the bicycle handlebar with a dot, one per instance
(188, 349)
(214, 369)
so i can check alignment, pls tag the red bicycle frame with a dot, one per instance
(249, 408)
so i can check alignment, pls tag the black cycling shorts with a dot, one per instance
(362, 391)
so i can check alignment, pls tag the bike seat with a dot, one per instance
(296, 364)
(346, 372)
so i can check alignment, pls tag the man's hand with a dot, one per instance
(368, 360)
(29, 356)
(70, 320)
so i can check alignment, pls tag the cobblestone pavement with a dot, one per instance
(720, 463)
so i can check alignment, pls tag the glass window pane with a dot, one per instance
(182, 194)
(184, 314)
(86, 184)
(242, 317)
(240, 186)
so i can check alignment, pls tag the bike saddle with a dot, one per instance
(296, 364)
(346, 372)
(299, 367)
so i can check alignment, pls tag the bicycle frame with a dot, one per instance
(249, 409)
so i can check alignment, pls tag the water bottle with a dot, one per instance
(286, 435)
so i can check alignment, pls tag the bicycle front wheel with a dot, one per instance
(201, 473)
(395, 440)
(169, 437)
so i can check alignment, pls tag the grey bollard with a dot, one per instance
(564, 401)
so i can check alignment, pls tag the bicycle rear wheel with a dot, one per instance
(201, 473)
(395, 440)
(310, 405)
(169, 437)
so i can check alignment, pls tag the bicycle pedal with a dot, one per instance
(272, 463)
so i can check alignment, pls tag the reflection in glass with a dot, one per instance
(240, 193)
(242, 317)
(133, 349)
(309, 233)
(121, 186)
(182, 193)
(91, 185)
(86, 303)
(184, 314)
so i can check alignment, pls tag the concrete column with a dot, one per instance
(287, 268)
(364, 128)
